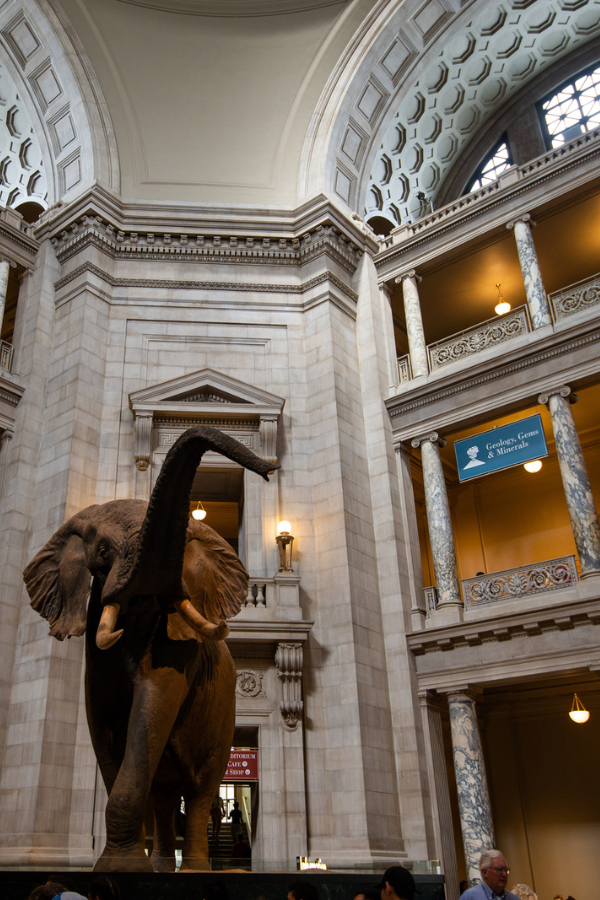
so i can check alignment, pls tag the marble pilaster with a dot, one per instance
(4, 270)
(438, 787)
(532, 276)
(439, 521)
(471, 782)
(414, 324)
(575, 478)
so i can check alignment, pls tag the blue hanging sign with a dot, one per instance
(503, 447)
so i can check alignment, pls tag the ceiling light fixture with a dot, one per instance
(199, 513)
(578, 712)
(501, 306)
(534, 466)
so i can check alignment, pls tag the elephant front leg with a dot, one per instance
(152, 716)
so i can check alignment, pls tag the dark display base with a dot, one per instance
(240, 885)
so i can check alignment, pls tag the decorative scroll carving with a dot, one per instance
(143, 430)
(524, 581)
(6, 355)
(288, 660)
(404, 368)
(575, 298)
(249, 683)
(474, 340)
(268, 438)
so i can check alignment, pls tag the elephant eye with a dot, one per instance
(103, 550)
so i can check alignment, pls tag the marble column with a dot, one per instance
(576, 482)
(471, 782)
(438, 786)
(4, 270)
(439, 521)
(414, 323)
(530, 267)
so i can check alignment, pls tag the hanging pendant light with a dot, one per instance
(578, 712)
(199, 513)
(502, 306)
(534, 466)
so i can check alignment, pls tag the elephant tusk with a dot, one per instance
(201, 626)
(106, 636)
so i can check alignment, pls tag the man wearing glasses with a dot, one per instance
(494, 874)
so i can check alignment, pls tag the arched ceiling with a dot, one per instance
(494, 53)
(416, 85)
(243, 8)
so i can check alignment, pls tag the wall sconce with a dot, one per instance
(501, 306)
(285, 541)
(534, 466)
(199, 513)
(578, 712)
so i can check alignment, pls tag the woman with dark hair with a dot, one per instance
(104, 888)
(46, 891)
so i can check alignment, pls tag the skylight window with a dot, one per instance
(497, 162)
(574, 109)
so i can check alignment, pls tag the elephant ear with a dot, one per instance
(58, 580)
(214, 578)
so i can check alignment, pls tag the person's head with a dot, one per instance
(524, 892)
(463, 885)
(47, 891)
(104, 888)
(235, 804)
(397, 882)
(494, 870)
(303, 890)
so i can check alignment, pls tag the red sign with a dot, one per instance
(242, 766)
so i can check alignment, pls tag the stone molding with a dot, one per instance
(522, 625)
(461, 382)
(233, 8)
(288, 662)
(168, 284)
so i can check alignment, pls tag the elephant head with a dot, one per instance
(133, 549)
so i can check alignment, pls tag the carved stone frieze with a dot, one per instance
(288, 660)
(575, 299)
(522, 581)
(475, 340)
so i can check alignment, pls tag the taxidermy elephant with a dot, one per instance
(160, 681)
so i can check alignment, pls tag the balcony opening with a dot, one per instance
(221, 492)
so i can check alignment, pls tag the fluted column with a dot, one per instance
(4, 270)
(530, 267)
(439, 521)
(438, 786)
(414, 323)
(471, 782)
(576, 482)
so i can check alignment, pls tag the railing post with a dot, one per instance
(530, 267)
(414, 323)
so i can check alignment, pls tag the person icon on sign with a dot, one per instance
(472, 454)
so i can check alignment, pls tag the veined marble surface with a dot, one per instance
(440, 525)
(532, 276)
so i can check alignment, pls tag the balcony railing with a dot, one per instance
(6, 355)
(259, 593)
(524, 581)
(474, 340)
(576, 298)
(404, 369)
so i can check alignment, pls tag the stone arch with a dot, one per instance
(416, 84)
(63, 136)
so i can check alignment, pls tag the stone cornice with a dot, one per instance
(562, 617)
(10, 391)
(169, 284)
(16, 240)
(228, 235)
(460, 381)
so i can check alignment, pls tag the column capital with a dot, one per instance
(410, 273)
(429, 699)
(562, 390)
(525, 218)
(433, 437)
(6, 259)
(461, 692)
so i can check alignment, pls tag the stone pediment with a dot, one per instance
(206, 392)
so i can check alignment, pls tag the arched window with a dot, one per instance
(488, 171)
(573, 109)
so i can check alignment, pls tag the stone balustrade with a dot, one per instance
(404, 368)
(260, 593)
(522, 581)
(575, 298)
(490, 333)
(6, 355)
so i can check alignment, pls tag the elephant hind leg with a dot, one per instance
(165, 799)
(195, 844)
